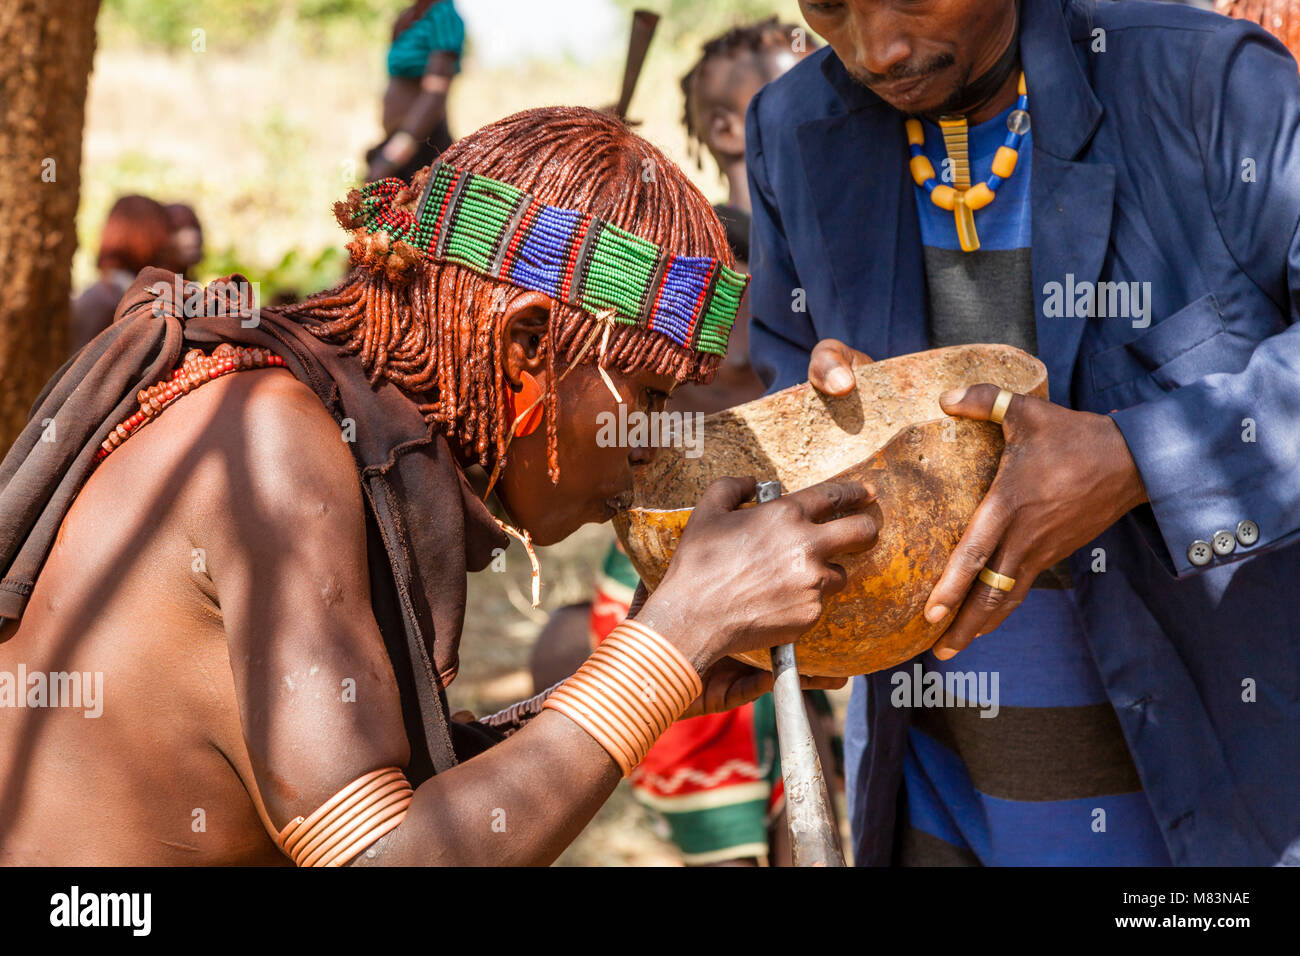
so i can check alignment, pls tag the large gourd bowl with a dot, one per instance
(930, 472)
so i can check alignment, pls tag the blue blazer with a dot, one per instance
(1166, 150)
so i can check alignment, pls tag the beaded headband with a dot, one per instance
(502, 232)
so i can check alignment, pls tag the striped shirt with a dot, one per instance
(1023, 762)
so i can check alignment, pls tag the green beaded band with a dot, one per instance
(500, 231)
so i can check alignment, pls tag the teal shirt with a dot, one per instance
(441, 28)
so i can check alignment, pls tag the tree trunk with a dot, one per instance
(47, 48)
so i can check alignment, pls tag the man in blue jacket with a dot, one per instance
(1116, 188)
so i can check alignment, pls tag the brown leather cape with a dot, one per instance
(425, 526)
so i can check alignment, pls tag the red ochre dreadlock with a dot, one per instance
(433, 328)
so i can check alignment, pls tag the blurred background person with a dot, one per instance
(137, 233)
(185, 250)
(428, 39)
(716, 92)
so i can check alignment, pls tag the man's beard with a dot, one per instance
(904, 72)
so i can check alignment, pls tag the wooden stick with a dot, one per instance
(644, 23)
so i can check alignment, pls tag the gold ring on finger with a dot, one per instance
(1001, 582)
(1000, 406)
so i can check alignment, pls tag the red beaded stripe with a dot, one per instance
(394, 220)
(663, 281)
(571, 256)
(534, 207)
(442, 206)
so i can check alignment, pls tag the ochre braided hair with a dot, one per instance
(433, 328)
(1279, 17)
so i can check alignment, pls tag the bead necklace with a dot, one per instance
(198, 368)
(961, 198)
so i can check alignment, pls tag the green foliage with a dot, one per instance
(170, 24)
(687, 21)
(295, 274)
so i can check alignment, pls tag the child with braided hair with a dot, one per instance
(716, 91)
(256, 528)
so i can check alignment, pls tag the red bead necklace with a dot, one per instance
(198, 368)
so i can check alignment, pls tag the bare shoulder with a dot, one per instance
(249, 448)
(277, 486)
(274, 434)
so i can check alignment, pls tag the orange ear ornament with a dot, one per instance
(526, 405)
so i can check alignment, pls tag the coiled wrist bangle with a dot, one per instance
(634, 685)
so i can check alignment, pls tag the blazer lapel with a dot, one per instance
(855, 165)
(1071, 201)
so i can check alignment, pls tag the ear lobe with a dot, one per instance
(523, 332)
(529, 397)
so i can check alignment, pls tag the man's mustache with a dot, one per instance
(904, 71)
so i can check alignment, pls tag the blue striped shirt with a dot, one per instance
(1046, 777)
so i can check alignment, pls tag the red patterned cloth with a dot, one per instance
(714, 780)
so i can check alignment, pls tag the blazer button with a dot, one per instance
(1199, 553)
(1247, 532)
(1224, 543)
